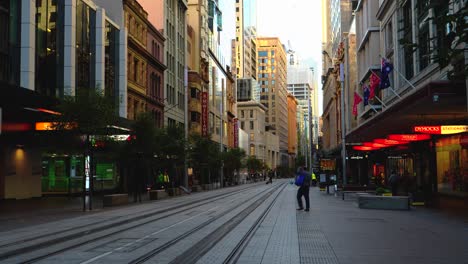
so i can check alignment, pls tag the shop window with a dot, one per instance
(452, 165)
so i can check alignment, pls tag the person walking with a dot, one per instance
(303, 180)
(393, 181)
(314, 179)
(166, 180)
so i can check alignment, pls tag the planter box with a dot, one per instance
(366, 201)
(196, 188)
(157, 194)
(173, 191)
(115, 199)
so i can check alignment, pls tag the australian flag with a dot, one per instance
(366, 94)
(386, 69)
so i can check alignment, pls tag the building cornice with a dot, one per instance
(136, 46)
(366, 37)
(383, 8)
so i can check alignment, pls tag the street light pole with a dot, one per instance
(221, 148)
(186, 127)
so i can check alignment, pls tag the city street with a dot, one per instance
(253, 223)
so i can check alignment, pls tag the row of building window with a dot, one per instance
(136, 28)
(251, 123)
(265, 53)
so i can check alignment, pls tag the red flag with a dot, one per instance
(374, 83)
(357, 100)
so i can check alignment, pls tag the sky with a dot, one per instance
(300, 23)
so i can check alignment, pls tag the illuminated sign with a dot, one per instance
(364, 148)
(375, 145)
(327, 164)
(43, 126)
(409, 137)
(204, 105)
(441, 130)
(389, 142)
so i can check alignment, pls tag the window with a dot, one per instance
(10, 35)
(272, 53)
(252, 150)
(273, 82)
(85, 46)
(424, 48)
(272, 60)
(242, 125)
(251, 113)
(194, 93)
(389, 36)
(242, 114)
(136, 62)
(251, 136)
(171, 122)
(406, 27)
(272, 75)
(262, 54)
(195, 117)
(251, 125)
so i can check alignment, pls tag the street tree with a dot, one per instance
(204, 156)
(89, 113)
(232, 160)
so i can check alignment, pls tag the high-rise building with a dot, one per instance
(170, 17)
(292, 130)
(301, 85)
(48, 50)
(272, 70)
(244, 57)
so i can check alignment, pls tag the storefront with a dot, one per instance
(63, 174)
(452, 165)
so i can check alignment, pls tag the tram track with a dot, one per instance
(199, 249)
(102, 229)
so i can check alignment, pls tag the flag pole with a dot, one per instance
(395, 92)
(399, 73)
(383, 104)
(404, 78)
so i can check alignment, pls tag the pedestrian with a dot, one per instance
(166, 179)
(393, 181)
(314, 179)
(160, 180)
(303, 180)
(139, 171)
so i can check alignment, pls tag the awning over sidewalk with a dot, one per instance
(438, 103)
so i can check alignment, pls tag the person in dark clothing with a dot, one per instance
(393, 180)
(138, 183)
(304, 189)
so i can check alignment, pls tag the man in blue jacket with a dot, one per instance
(304, 189)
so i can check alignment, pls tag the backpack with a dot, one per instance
(299, 179)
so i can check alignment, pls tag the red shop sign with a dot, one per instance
(204, 105)
(410, 137)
